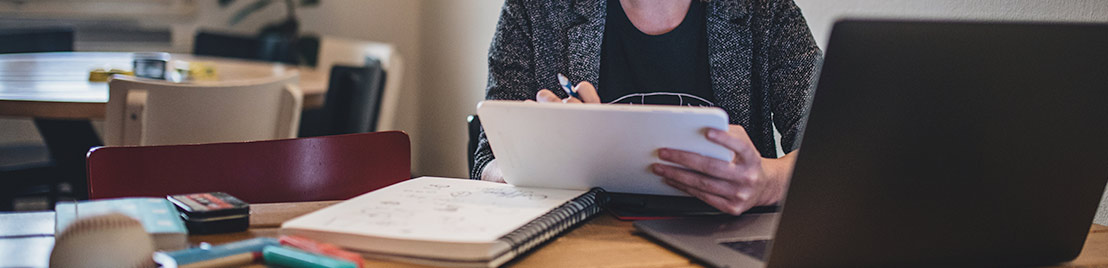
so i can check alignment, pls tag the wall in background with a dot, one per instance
(821, 14)
(456, 37)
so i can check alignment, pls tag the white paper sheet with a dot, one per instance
(437, 209)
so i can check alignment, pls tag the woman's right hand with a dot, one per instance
(492, 172)
(584, 89)
(588, 95)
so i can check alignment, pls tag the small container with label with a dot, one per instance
(211, 213)
(151, 64)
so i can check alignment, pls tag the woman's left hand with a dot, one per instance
(732, 187)
(585, 90)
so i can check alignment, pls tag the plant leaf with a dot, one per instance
(307, 3)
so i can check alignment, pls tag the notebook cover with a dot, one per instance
(408, 217)
(523, 239)
(158, 216)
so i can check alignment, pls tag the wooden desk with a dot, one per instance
(601, 242)
(55, 85)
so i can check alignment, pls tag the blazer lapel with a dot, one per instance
(583, 39)
(729, 54)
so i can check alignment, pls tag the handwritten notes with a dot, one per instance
(437, 209)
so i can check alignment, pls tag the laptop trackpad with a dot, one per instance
(717, 241)
(754, 248)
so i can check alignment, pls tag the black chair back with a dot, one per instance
(36, 40)
(226, 45)
(352, 102)
(300, 50)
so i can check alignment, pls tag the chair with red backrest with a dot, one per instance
(303, 169)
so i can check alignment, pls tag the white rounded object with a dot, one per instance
(110, 240)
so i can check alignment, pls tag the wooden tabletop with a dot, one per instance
(55, 85)
(602, 241)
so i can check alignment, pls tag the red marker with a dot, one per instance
(322, 248)
(228, 261)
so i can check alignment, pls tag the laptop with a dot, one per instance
(934, 144)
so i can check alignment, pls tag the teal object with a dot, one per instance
(203, 253)
(157, 215)
(294, 258)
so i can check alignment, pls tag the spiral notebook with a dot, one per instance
(448, 222)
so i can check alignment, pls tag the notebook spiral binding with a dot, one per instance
(555, 222)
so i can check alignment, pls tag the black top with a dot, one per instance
(671, 68)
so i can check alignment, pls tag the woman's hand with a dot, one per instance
(492, 172)
(583, 89)
(732, 187)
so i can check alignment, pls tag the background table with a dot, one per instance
(603, 241)
(53, 89)
(55, 85)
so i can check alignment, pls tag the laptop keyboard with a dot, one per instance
(754, 248)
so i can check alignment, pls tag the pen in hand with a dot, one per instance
(567, 86)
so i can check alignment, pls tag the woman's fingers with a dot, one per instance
(696, 180)
(547, 96)
(736, 140)
(587, 92)
(703, 164)
(723, 204)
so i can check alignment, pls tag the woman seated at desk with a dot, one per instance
(752, 58)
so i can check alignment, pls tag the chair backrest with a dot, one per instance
(303, 169)
(155, 112)
(352, 102)
(36, 40)
(339, 51)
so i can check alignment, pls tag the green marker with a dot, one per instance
(289, 257)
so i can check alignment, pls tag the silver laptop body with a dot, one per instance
(936, 144)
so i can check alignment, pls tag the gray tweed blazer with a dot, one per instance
(761, 52)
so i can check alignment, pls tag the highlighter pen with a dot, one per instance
(312, 246)
(229, 261)
(207, 252)
(290, 257)
(567, 86)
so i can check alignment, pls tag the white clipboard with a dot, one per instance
(581, 146)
